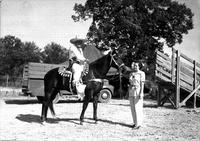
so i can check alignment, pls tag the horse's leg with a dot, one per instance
(95, 104)
(44, 110)
(50, 104)
(85, 104)
(52, 109)
(47, 103)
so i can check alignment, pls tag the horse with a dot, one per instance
(54, 82)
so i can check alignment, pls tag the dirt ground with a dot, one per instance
(20, 120)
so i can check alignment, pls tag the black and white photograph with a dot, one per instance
(99, 70)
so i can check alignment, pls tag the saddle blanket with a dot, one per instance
(64, 72)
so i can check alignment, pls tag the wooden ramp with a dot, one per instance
(178, 78)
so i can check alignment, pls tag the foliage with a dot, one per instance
(135, 28)
(9, 58)
(31, 52)
(15, 53)
(55, 54)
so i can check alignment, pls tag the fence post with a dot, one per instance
(7, 79)
(177, 97)
(120, 83)
(172, 66)
(194, 82)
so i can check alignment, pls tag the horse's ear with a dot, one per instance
(109, 51)
(113, 52)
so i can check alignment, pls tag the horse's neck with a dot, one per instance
(100, 68)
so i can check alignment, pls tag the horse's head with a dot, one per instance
(101, 66)
(116, 62)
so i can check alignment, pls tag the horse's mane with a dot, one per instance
(100, 59)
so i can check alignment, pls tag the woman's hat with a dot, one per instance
(77, 41)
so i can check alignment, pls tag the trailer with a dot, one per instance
(33, 83)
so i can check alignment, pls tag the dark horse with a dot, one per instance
(53, 83)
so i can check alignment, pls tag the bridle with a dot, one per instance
(113, 59)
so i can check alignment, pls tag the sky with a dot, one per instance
(46, 21)
(42, 21)
(191, 42)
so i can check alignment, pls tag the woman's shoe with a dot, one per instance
(137, 127)
(133, 126)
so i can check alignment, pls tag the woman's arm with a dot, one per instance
(141, 94)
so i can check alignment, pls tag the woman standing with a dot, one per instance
(136, 88)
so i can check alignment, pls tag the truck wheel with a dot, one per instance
(105, 96)
(40, 99)
(56, 99)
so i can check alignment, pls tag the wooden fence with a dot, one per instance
(176, 74)
(10, 81)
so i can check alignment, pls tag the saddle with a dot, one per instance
(66, 73)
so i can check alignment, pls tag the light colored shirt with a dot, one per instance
(78, 52)
(136, 79)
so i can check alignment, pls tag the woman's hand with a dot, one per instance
(140, 96)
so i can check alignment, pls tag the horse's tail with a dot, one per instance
(49, 97)
(52, 84)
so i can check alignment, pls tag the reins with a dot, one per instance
(113, 59)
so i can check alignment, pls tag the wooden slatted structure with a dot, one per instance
(38, 70)
(33, 76)
(176, 74)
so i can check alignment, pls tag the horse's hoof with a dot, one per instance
(96, 122)
(81, 123)
(55, 117)
(43, 119)
(44, 122)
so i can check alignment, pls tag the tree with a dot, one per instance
(55, 54)
(11, 52)
(135, 28)
(15, 53)
(31, 52)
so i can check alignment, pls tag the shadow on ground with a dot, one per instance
(20, 101)
(148, 103)
(34, 101)
(36, 119)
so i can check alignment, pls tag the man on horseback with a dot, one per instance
(78, 64)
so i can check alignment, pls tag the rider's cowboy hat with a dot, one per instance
(76, 41)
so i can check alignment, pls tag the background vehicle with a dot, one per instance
(33, 83)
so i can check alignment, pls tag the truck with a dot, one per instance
(33, 83)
